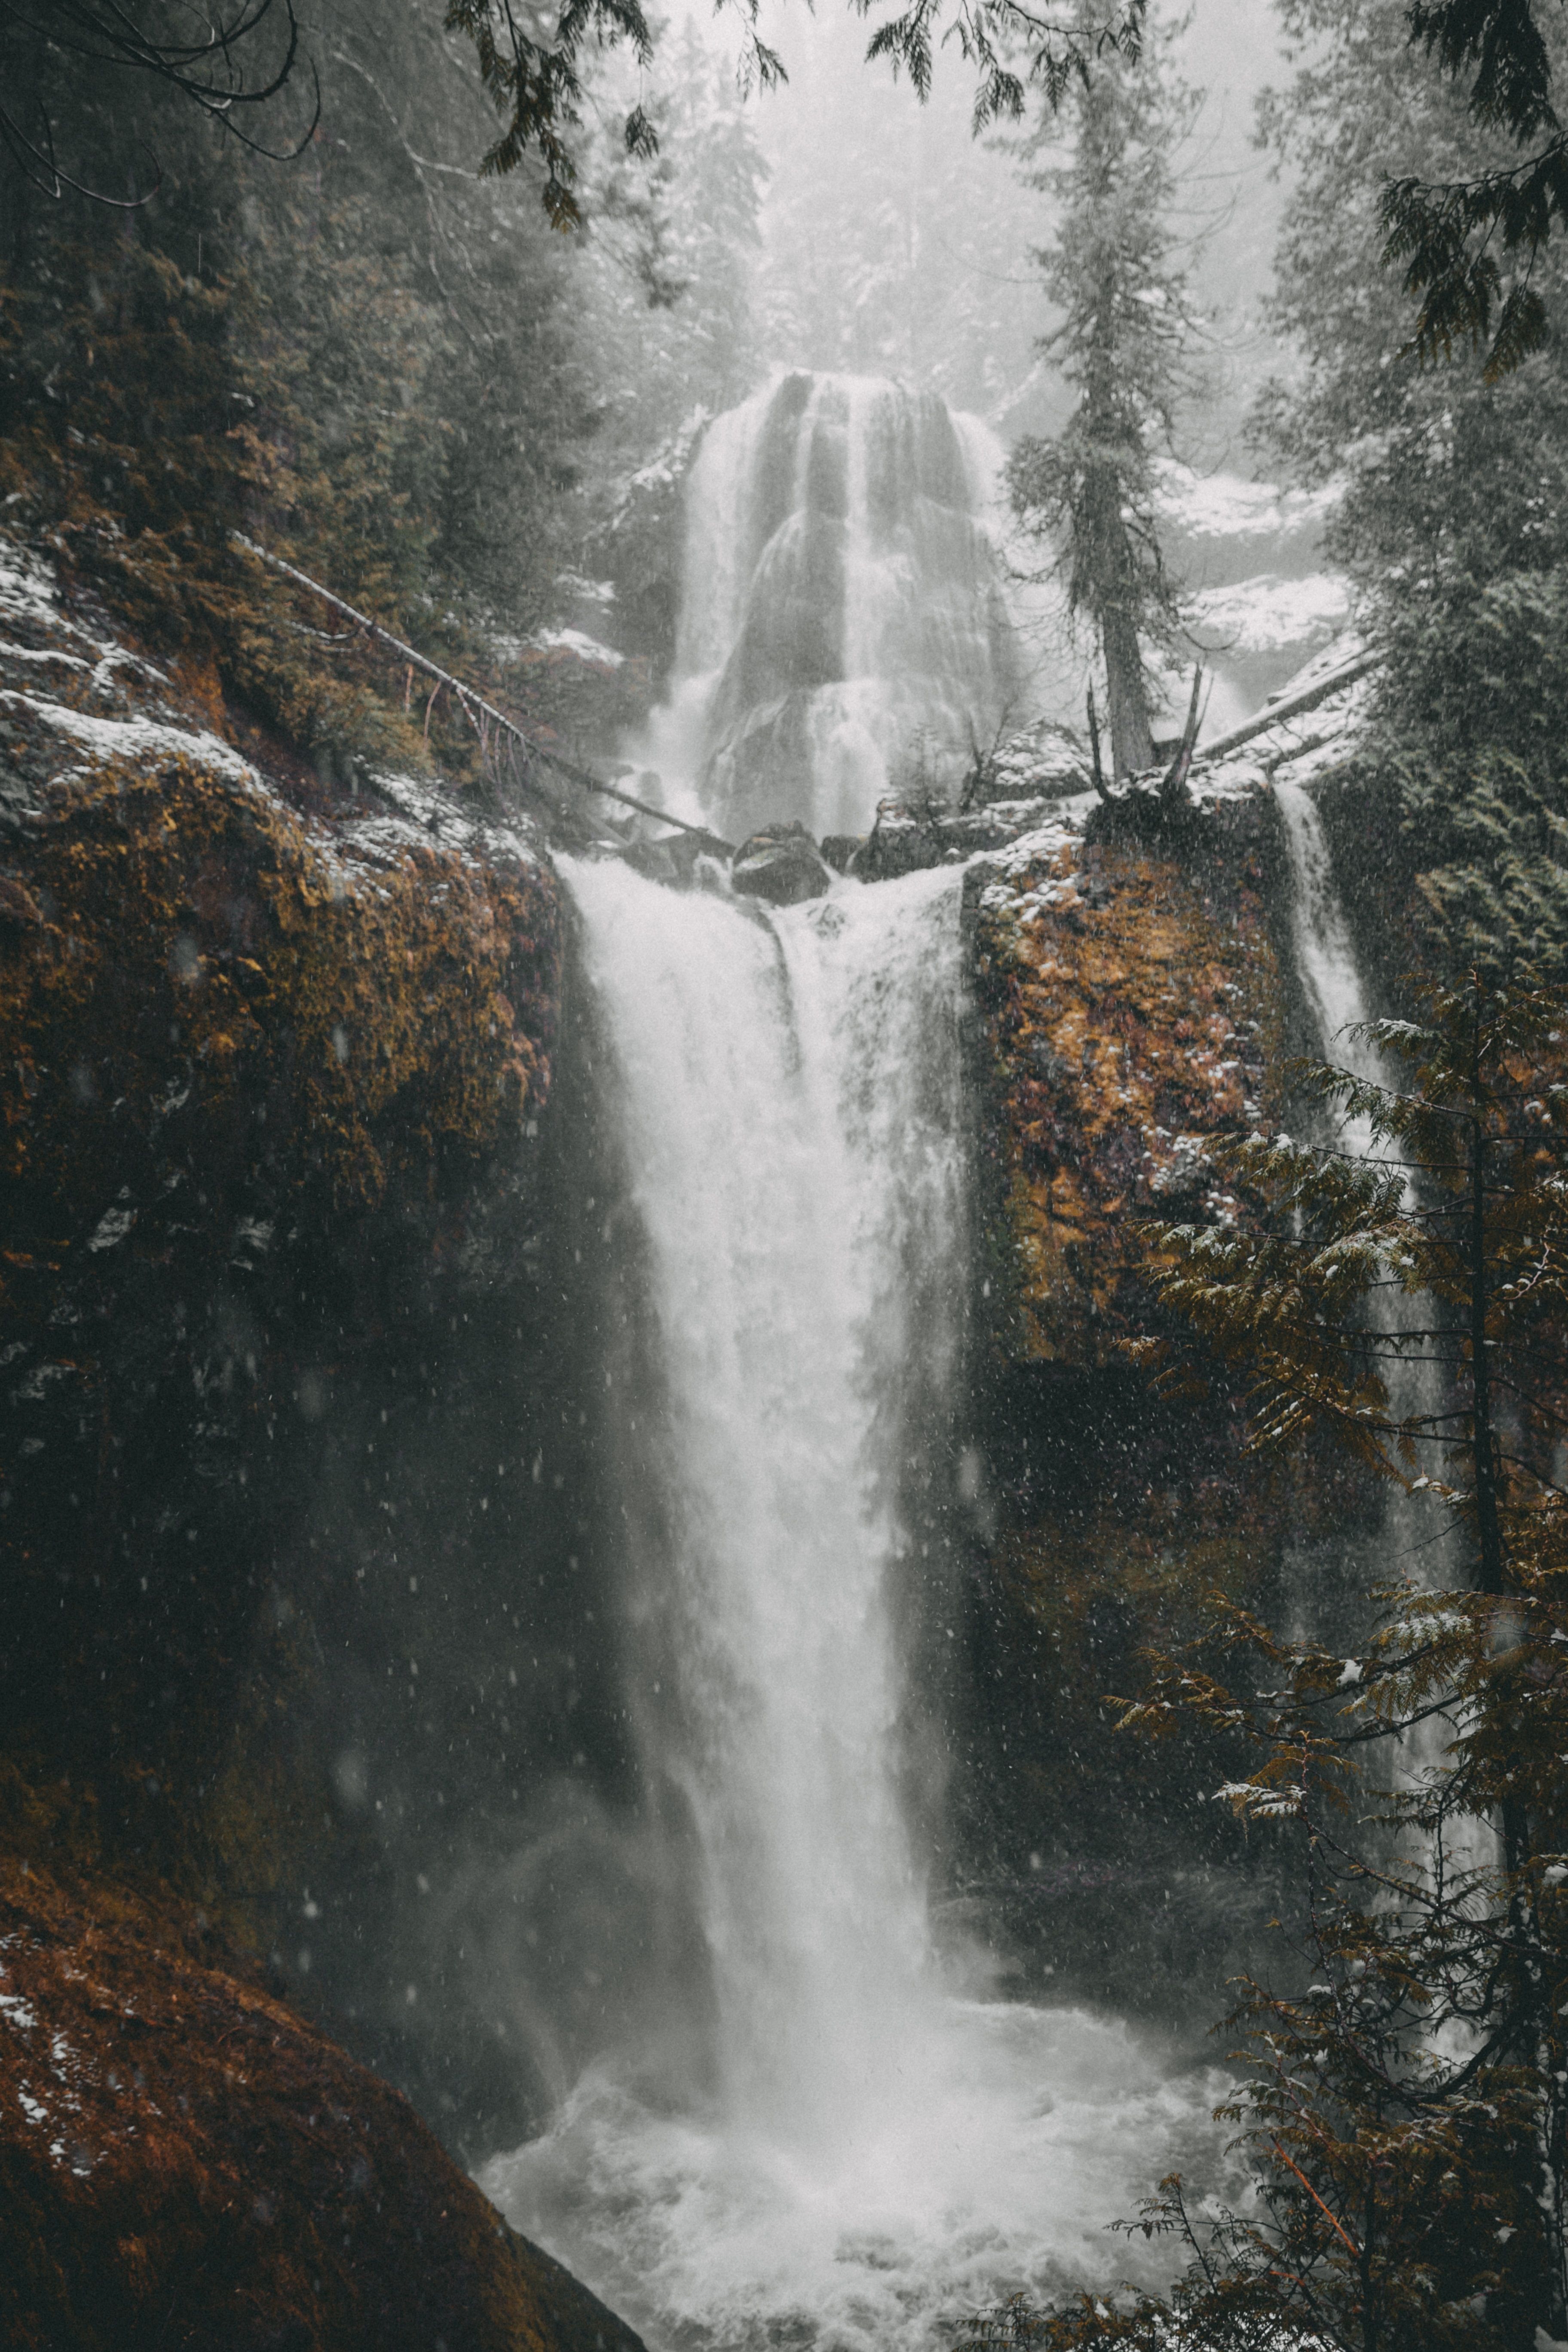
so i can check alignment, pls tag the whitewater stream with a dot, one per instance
(1325, 957)
(878, 2150)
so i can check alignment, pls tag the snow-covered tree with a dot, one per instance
(1121, 341)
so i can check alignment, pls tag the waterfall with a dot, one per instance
(1415, 1539)
(1330, 979)
(794, 1143)
(873, 2149)
(843, 625)
(1326, 962)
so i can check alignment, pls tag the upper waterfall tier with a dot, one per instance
(842, 620)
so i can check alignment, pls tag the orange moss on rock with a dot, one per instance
(182, 954)
(1131, 1009)
(184, 2162)
(272, 1082)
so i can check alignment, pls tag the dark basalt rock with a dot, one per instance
(840, 850)
(278, 1186)
(910, 840)
(780, 864)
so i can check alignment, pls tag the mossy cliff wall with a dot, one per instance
(1131, 1002)
(285, 1559)
(1132, 1011)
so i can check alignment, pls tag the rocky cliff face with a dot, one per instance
(1132, 1000)
(1133, 1009)
(278, 1218)
(257, 1035)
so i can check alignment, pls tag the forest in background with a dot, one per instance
(391, 371)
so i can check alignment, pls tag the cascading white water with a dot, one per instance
(880, 2150)
(1415, 1540)
(843, 627)
(794, 1148)
(1330, 978)
(1325, 954)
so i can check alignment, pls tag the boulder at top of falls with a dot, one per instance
(780, 864)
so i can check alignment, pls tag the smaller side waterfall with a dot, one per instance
(1413, 1540)
(1331, 979)
(1325, 954)
(843, 624)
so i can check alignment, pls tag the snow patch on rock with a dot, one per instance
(1268, 613)
(136, 738)
(1225, 505)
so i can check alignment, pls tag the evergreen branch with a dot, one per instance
(210, 73)
(1500, 41)
(535, 85)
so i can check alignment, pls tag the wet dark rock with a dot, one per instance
(183, 2160)
(780, 864)
(684, 850)
(902, 841)
(909, 840)
(652, 859)
(841, 849)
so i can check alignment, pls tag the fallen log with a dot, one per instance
(1293, 708)
(471, 700)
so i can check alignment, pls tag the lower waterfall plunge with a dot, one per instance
(879, 2149)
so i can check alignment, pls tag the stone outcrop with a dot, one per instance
(1132, 1003)
(1132, 1011)
(184, 2162)
(253, 1029)
(781, 865)
(188, 944)
(276, 1279)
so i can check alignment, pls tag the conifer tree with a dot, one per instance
(532, 69)
(1121, 341)
(1451, 505)
(229, 63)
(362, 357)
(1472, 243)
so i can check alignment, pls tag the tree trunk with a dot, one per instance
(1483, 1437)
(1105, 580)
(1132, 744)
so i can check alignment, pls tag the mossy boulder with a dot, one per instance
(184, 2162)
